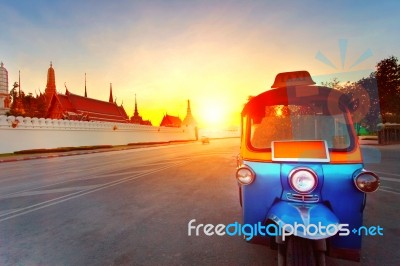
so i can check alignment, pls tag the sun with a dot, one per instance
(213, 114)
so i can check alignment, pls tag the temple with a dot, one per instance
(189, 119)
(75, 107)
(4, 96)
(55, 105)
(51, 83)
(170, 121)
(137, 119)
(174, 121)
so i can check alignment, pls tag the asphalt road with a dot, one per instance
(132, 207)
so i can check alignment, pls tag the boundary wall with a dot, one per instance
(25, 133)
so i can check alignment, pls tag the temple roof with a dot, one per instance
(94, 109)
(122, 111)
(171, 121)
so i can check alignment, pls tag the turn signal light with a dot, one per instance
(245, 175)
(367, 182)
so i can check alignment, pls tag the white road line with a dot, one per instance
(5, 212)
(105, 184)
(389, 188)
(166, 161)
(64, 198)
(62, 182)
(49, 191)
(386, 173)
(389, 191)
(389, 179)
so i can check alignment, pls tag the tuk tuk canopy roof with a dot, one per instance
(297, 95)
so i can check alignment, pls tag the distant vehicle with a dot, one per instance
(205, 140)
(300, 169)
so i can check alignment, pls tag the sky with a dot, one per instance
(215, 53)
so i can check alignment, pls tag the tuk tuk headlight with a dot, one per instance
(367, 182)
(245, 175)
(303, 180)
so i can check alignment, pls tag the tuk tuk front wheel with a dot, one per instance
(240, 196)
(300, 252)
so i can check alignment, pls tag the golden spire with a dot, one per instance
(111, 95)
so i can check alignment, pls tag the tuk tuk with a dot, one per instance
(300, 171)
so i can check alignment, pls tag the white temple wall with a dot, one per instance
(25, 133)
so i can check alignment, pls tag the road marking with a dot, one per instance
(389, 179)
(66, 181)
(164, 162)
(386, 173)
(389, 191)
(5, 212)
(389, 188)
(48, 203)
(49, 191)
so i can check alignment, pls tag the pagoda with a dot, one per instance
(4, 96)
(136, 118)
(189, 119)
(51, 83)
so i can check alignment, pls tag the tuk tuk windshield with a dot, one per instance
(299, 122)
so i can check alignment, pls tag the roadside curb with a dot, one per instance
(30, 157)
(33, 156)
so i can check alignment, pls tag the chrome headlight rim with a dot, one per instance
(252, 175)
(306, 169)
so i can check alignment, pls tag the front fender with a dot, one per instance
(301, 215)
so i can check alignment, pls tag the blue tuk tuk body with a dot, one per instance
(335, 200)
(300, 128)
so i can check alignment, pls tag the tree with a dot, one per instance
(335, 84)
(363, 96)
(372, 117)
(26, 104)
(17, 106)
(387, 76)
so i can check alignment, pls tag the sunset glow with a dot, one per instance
(213, 114)
(170, 51)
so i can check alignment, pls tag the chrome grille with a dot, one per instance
(302, 198)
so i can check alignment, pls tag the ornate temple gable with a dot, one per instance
(122, 112)
(56, 109)
(170, 121)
